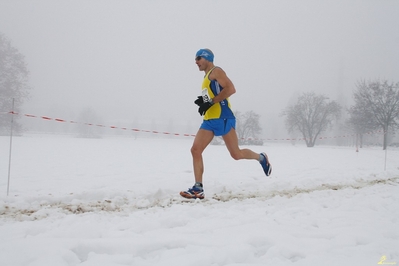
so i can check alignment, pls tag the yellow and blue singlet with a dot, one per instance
(211, 88)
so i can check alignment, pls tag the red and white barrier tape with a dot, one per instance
(103, 126)
(174, 134)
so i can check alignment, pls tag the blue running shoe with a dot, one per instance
(196, 192)
(267, 167)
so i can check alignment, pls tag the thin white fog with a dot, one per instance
(133, 61)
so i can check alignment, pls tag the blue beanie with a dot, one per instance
(205, 53)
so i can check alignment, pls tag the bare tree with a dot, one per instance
(13, 81)
(360, 123)
(248, 127)
(311, 115)
(378, 102)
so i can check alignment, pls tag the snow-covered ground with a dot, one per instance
(115, 201)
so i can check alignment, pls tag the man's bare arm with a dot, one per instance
(228, 87)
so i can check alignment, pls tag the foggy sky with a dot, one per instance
(134, 60)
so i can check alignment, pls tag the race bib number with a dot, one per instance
(205, 95)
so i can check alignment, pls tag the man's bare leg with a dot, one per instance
(231, 141)
(201, 141)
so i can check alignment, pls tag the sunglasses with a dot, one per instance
(198, 58)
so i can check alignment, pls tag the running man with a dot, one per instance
(219, 120)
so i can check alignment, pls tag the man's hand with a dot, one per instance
(199, 101)
(204, 107)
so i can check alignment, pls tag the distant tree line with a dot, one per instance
(376, 107)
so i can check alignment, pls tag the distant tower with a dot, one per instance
(342, 99)
(341, 93)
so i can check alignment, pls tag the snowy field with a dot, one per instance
(115, 201)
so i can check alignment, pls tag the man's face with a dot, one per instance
(201, 63)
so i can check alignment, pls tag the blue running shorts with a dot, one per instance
(219, 127)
